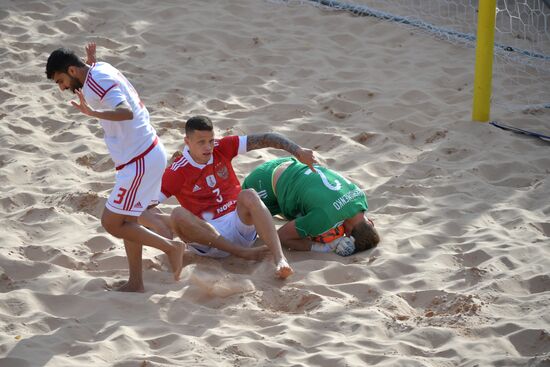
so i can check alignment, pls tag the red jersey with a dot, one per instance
(207, 190)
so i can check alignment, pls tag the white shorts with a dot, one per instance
(138, 184)
(232, 229)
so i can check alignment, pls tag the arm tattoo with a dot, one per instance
(271, 140)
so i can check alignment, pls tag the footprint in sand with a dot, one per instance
(87, 202)
(96, 162)
(289, 300)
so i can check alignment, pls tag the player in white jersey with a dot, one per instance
(139, 157)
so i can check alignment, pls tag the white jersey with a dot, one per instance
(105, 88)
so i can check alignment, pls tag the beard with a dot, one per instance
(75, 84)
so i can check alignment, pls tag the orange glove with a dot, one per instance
(330, 235)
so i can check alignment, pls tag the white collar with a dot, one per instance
(190, 159)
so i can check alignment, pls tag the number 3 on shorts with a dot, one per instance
(121, 192)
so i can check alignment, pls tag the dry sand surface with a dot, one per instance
(461, 277)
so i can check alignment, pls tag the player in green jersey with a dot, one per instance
(323, 208)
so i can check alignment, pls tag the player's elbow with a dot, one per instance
(124, 112)
(129, 115)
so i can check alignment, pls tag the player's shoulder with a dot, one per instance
(228, 140)
(101, 78)
(179, 165)
(102, 71)
(226, 146)
(102, 66)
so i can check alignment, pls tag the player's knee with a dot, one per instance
(249, 198)
(110, 225)
(365, 235)
(181, 217)
(106, 225)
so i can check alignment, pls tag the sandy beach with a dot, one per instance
(460, 278)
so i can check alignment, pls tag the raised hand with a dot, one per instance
(90, 53)
(84, 107)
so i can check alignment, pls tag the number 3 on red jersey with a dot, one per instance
(219, 197)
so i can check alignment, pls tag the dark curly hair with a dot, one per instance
(60, 60)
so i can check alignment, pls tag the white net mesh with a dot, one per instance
(522, 25)
(522, 39)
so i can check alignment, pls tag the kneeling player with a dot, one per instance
(326, 211)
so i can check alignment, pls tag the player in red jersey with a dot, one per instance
(215, 212)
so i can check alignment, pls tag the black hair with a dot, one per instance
(200, 123)
(60, 60)
(366, 237)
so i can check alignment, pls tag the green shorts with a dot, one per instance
(261, 180)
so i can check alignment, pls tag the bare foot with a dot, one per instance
(128, 287)
(283, 270)
(175, 256)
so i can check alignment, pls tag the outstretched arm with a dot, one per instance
(122, 112)
(276, 140)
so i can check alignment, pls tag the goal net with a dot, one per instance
(521, 67)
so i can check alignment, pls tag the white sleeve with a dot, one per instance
(242, 144)
(113, 97)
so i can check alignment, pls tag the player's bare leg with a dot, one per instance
(157, 221)
(127, 228)
(135, 280)
(193, 229)
(251, 210)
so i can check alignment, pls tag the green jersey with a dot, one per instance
(318, 201)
